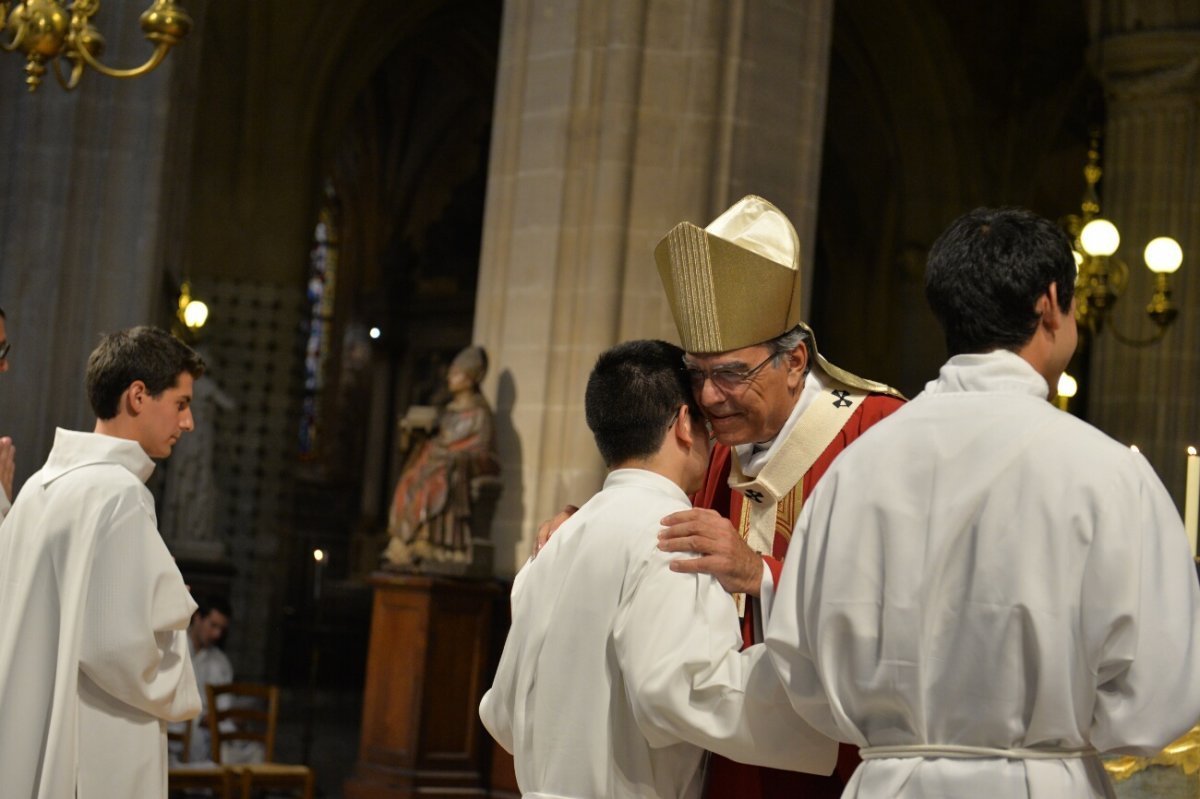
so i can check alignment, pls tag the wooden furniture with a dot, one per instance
(253, 722)
(426, 670)
(205, 776)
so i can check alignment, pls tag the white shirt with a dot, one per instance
(93, 614)
(212, 667)
(982, 569)
(618, 673)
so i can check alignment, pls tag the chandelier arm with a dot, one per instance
(160, 52)
(18, 36)
(72, 82)
(1129, 341)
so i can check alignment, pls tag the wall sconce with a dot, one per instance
(192, 313)
(1102, 276)
(46, 31)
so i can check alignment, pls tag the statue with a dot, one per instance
(442, 506)
(188, 510)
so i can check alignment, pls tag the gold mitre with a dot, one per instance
(736, 282)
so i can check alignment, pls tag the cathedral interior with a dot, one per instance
(359, 190)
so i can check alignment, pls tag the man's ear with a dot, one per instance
(797, 365)
(1047, 309)
(136, 396)
(682, 428)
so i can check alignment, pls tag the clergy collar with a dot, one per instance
(1000, 371)
(752, 457)
(73, 449)
(644, 477)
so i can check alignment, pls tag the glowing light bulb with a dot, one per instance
(195, 314)
(1099, 237)
(1163, 255)
(375, 332)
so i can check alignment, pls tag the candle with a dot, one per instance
(319, 560)
(1191, 502)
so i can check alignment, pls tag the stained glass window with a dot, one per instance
(322, 286)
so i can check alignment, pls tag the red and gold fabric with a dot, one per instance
(727, 779)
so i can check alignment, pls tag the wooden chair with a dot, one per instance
(184, 775)
(254, 723)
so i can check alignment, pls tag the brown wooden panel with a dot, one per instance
(503, 772)
(426, 672)
(395, 677)
(458, 635)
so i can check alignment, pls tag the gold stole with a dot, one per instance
(771, 501)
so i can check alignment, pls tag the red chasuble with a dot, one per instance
(727, 779)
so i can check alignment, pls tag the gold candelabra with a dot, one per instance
(1103, 277)
(46, 31)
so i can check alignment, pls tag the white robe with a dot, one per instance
(93, 614)
(618, 672)
(982, 569)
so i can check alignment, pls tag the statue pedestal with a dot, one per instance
(426, 670)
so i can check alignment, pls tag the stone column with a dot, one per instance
(1148, 58)
(80, 196)
(614, 121)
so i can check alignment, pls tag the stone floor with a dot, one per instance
(333, 741)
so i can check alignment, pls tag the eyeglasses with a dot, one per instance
(725, 378)
(4, 348)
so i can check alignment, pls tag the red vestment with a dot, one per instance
(727, 779)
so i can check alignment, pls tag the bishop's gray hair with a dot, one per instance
(781, 345)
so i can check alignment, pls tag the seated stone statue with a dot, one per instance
(443, 500)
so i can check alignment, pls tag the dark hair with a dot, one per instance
(209, 602)
(634, 391)
(140, 353)
(986, 272)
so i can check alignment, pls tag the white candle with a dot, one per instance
(1191, 502)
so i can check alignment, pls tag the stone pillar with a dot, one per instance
(81, 184)
(615, 120)
(1148, 58)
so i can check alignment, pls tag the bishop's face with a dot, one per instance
(746, 394)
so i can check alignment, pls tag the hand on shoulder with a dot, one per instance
(723, 553)
(546, 529)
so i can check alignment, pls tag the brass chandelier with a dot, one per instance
(1103, 277)
(47, 32)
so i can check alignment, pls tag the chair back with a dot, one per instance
(183, 738)
(252, 707)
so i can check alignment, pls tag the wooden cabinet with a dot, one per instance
(427, 669)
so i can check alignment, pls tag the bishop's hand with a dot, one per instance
(547, 528)
(723, 553)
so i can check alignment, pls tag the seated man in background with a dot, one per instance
(618, 672)
(207, 630)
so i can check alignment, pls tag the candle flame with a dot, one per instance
(1191, 450)
(1134, 448)
(318, 555)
